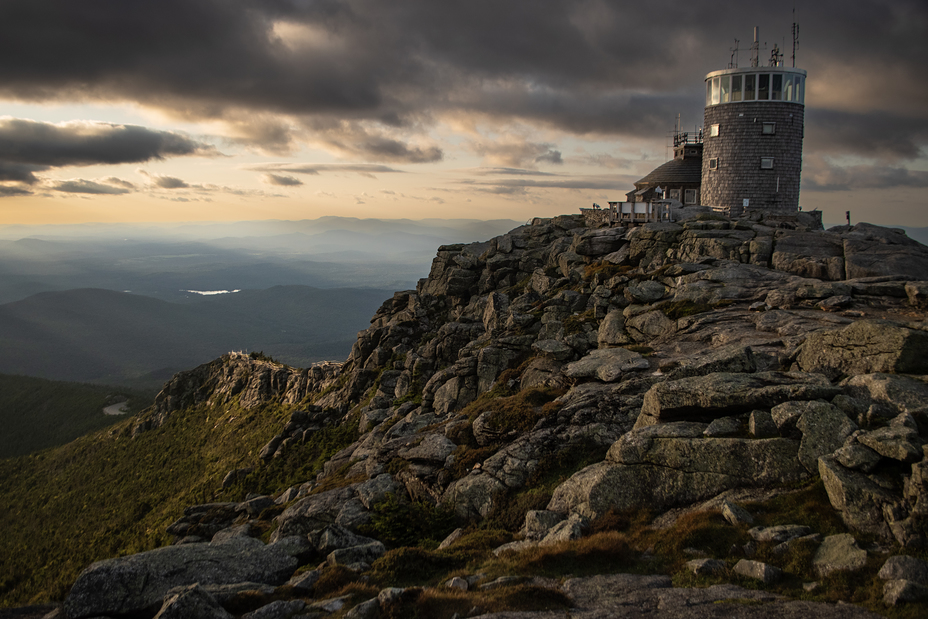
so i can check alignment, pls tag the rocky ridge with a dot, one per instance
(684, 366)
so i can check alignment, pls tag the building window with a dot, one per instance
(736, 88)
(689, 196)
(714, 163)
(749, 84)
(776, 88)
(715, 91)
(713, 131)
(763, 86)
(766, 163)
(769, 128)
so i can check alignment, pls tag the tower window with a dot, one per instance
(769, 128)
(713, 131)
(749, 83)
(714, 163)
(766, 163)
(763, 86)
(776, 88)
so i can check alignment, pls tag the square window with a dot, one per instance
(689, 196)
(766, 163)
(714, 163)
(769, 128)
(713, 131)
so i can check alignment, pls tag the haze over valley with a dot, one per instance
(125, 304)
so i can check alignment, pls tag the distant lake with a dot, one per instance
(211, 292)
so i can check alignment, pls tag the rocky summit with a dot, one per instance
(708, 418)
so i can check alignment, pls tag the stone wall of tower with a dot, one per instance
(739, 148)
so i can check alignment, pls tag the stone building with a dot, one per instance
(753, 130)
(678, 179)
(748, 155)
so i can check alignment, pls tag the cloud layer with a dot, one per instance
(28, 146)
(350, 72)
(417, 82)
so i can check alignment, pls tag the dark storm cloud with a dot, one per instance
(820, 175)
(874, 135)
(88, 143)
(168, 182)
(509, 185)
(86, 186)
(24, 173)
(552, 156)
(7, 191)
(282, 180)
(583, 66)
(515, 154)
(509, 172)
(364, 169)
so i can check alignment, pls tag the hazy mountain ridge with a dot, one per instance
(164, 260)
(119, 338)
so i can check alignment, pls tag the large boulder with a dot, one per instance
(824, 428)
(721, 394)
(612, 330)
(819, 255)
(871, 251)
(858, 498)
(731, 358)
(890, 394)
(139, 583)
(599, 242)
(192, 601)
(865, 347)
(606, 364)
(675, 464)
(473, 497)
(649, 326)
(312, 513)
(838, 553)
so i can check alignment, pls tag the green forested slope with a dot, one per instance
(107, 494)
(37, 414)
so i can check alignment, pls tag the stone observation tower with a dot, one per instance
(752, 137)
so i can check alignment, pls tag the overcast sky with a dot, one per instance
(179, 110)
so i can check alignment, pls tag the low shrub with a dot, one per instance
(404, 567)
(409, 523)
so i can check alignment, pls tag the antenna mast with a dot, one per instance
(795, 36)
(755, 49)
(733, 61)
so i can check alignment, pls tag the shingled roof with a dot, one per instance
(674, 172)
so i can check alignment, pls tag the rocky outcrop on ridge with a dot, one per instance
(675, 364)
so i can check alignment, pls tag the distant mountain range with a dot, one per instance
(122, 304)
(164, 261)
(103, 336)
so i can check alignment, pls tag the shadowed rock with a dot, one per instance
(138, 583)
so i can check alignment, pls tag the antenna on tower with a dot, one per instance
(795, 36)
(755, 49)
(733, 62)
